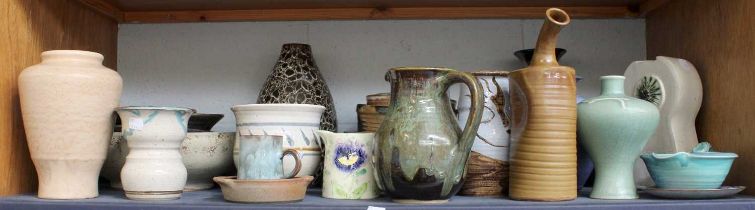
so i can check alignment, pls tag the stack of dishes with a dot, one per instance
(370, 115)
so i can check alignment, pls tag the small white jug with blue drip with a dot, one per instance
(154, 169)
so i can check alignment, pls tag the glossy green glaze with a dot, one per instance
(700, 169)
(614, 128)
(421, 152)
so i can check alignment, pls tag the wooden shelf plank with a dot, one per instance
(717, 37)
(171, 11)
(27, 28)
(106, 8)
(369, 14)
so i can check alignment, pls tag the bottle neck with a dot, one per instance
(612, 85)
(72, 57)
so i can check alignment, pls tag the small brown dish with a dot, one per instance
(263, 191)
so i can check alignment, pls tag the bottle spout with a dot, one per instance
(545, 48)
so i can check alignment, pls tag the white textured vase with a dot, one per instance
(67, 104)
(154, 168)
(674, 86)
(297, 122)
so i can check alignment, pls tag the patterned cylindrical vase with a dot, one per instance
(487, 167)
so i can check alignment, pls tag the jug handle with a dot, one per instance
(475, 114)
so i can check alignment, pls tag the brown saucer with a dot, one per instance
(263, 190)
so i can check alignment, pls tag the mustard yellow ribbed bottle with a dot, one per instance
(544, 122)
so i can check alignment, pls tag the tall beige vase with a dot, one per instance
(543, 147)
(67, 104)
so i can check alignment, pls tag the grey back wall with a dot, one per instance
(212, 66)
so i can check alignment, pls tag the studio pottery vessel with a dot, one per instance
(614, 128)
(297, 122)
(348, 171)
(205, 155)
(543, 147)
(421, 153)
(67, 104)
(673, 85)
(154, 168)
(297, 80)
(700, 169)
(263, 190)
(487, 168)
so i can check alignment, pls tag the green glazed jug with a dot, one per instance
(421, 153)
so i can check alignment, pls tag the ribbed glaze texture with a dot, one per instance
(543, 141)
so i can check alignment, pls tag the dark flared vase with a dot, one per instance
(584, 165)
(296, 80)
(525, 55)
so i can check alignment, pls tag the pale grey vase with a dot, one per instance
(614, 128)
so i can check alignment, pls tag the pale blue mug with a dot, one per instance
(261, 157)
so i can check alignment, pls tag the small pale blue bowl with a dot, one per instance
(699, 169)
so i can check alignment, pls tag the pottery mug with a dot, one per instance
(261, 157)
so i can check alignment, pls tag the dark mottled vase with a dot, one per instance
(297, 80)
(421, 152)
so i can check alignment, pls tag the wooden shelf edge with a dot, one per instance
(368, 14)
(649, 6)
(106, 8)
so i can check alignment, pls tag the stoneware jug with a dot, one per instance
(543, 153)
(154, 169)
(487, 168)
(673, 85)
(348, 173)
(261, 157)
(67, 104)
(614, 128)
(421, 152)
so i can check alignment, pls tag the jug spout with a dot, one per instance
(325, 136)
(545, 48)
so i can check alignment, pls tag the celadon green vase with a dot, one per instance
(614, 128)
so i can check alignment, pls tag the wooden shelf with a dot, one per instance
(170, 11)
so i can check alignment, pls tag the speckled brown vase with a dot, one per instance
(543, 161)
(297, 80)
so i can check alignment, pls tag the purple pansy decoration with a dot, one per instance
(349, 157)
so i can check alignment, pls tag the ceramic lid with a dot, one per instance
(379, 99)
